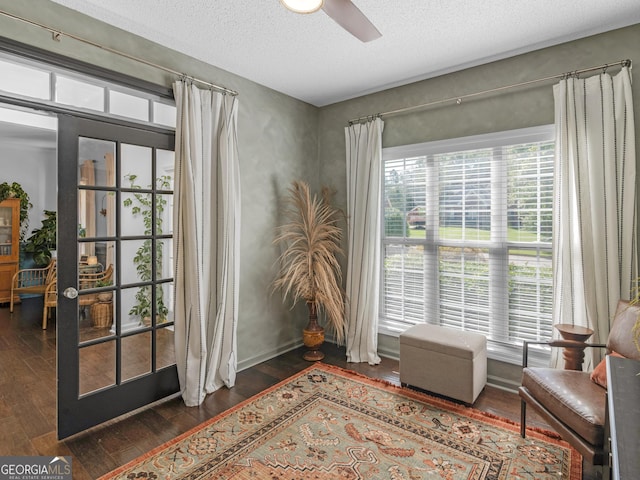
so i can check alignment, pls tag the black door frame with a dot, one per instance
(167, 382)
(75, 412)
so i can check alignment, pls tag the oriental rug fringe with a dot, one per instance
(328, 423)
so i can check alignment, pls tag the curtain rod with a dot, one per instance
(58, 33)
(458, 99)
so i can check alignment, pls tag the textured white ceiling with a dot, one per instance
(311, 58)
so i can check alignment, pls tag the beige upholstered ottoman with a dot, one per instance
(445, 361)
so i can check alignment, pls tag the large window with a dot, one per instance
(467, 237)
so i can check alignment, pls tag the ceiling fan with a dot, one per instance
(344, 12)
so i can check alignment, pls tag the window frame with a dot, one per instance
(54, 64)
(497, 350)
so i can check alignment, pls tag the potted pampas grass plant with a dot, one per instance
(309, 267)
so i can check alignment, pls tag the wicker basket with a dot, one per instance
(102, 314)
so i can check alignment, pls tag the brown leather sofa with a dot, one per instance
(569, 400)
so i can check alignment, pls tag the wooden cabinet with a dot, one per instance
(9, 245)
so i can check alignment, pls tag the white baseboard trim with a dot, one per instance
(393, 355)
(264, 356)
(502, 384)
(492, 380)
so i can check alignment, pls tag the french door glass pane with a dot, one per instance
(95, 213)
(136, 258)
(131, 314)
(96, 263)
(105, 204)
(135, 213)
(164, 213)
(164, 258)
(165, 292)
(96, 164)
(136, 355)
(136, 166)
(96, 270)
(97, 367)
(96, 315)
(165, 166)
(165, 351)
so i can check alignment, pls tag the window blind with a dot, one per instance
(467, 235)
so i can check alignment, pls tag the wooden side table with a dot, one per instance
(573, 357)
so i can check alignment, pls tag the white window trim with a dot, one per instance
(498, 139)
(508, 353)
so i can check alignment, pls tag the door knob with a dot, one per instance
(70, 292)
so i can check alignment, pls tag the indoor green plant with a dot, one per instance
(107, 295)
(141, 206)
(309, 266)
(14, 190)
(43, 240)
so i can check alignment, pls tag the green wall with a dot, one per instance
(512, 109)
(516, 108)
(277, 138)
(281, 138)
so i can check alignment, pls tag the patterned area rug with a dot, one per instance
(329, 423)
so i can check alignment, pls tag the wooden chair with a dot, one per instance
(32, 281)
(93, 280)
(85, 281)
(50, 300)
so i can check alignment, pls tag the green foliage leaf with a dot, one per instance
(142, 207)
(43, 240)
(14, 190)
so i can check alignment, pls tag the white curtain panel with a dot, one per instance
(594, 219)
(364, 196)
(206, 241)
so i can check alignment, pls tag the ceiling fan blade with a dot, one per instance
(349, 17)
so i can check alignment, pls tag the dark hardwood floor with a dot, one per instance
(28, 400)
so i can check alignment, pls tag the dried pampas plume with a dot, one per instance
(309, 267)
